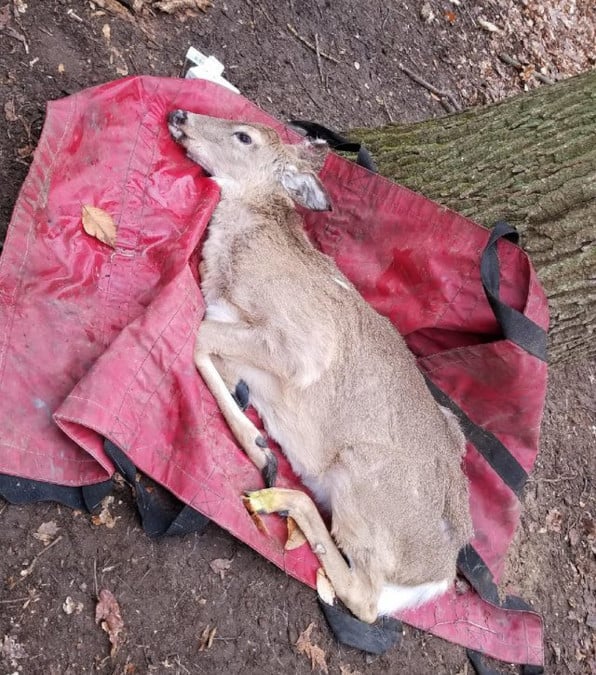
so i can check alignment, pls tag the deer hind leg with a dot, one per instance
(245, 432)
(353, 587)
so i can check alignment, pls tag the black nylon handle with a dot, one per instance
(336, 141)
(515, 326)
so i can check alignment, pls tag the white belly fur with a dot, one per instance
(394, 598)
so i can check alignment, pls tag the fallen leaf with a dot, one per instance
(489, 26)
(10, 112)
(221, 566)
(107, 32)
(69, 606)
(107, 612)
(313, 652)
(99, 224)
(554, 520)
(61, 68)
(46, 532)
(175, 6)
(207, 637)
(450, 16)
(104, 517)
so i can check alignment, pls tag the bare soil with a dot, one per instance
(168, 592)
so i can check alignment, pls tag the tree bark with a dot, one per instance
(530, 160)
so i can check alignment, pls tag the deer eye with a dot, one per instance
(243, 137)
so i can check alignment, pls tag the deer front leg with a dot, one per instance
(353, 587)
(245, 432)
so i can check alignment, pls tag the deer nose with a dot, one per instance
(177, 117)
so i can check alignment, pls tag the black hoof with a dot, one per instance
(261, 441)
(375, 638)
(269, 472)
(241, 395)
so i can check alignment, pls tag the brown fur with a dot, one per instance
(333, 381)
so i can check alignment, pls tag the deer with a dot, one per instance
(332, 380)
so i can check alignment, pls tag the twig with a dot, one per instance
(95, 577)
(309, 44)
(310, 96)
(511, 61)
(552, 480)
(263, 11)
(319, 64)
(389, 116)
(10, 602)
(446, 99)
(27, 571)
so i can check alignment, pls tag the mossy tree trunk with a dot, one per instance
(530, 160)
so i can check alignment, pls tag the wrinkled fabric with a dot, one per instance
(97, 342)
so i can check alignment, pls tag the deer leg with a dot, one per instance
(353, 587)
(245, 432)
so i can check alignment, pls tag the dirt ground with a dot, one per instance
(168, 592)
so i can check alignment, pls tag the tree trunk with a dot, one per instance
(530, 160)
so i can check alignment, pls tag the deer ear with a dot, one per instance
(305, 188)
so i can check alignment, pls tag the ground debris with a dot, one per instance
(206, 638)
(316, 655)
(69, 606)
(105, 517)
(46, 532)
(221, 566)
(186, 6)
(554, 520)
(11, 650)
(107, 612)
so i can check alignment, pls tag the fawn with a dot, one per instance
(333, 381)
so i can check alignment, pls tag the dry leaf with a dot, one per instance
(489, 26)
(46, 532)
(99, 224)
(221, 566)
(554, 520)
(207, 637)
(107, 612)
(314, 653)
(107, 32)
(450, 16)
(61, 68)
(10, 111)
(104, 517)
(296, 537)
(174, 6)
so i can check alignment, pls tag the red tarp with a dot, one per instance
(97, 342)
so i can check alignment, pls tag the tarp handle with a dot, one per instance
(515, 326)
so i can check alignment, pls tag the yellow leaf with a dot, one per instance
(99, 224)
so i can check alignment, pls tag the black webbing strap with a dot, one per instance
(480, 668)
(515, 326)
(26, 491)
(336, 141)
(161, 513)
(488, 445)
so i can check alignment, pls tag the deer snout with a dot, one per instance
(176, 120)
